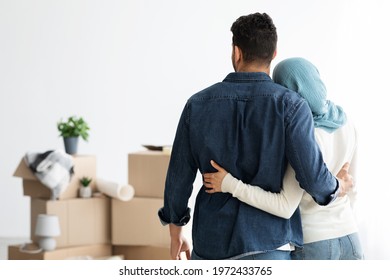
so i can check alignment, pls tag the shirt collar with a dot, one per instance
(247, 77)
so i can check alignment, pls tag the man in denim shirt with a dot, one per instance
(253, 127)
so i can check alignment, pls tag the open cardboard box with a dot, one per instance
(84, 165)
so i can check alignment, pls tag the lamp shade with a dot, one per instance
(47, 226)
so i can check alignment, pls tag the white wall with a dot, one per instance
(128, 67)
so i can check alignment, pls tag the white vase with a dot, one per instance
(85, 192)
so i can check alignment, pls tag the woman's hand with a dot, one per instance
(213, 181)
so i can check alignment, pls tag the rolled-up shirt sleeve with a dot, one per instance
(181, 222)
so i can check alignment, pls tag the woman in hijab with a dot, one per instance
(329, 232)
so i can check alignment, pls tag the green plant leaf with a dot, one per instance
(85, 181)
(73, 127)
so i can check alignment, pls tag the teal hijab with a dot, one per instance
(301, 76)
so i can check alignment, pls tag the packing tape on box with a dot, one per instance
(115, 190)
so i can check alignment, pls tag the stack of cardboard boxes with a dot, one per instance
(84, 222)
(137, 233)
(98, 227)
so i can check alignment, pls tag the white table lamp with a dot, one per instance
(47, 227)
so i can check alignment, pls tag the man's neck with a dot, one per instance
(253, 68)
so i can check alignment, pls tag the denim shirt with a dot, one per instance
(252, 127)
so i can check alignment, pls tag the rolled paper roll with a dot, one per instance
(115, 190)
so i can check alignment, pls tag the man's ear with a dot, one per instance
(275, 53)
(236, 58)
(237, 54)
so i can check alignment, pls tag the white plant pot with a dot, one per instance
(85, 192)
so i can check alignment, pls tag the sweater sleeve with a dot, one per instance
(281, 204)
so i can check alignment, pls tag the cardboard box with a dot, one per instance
(83, 221)
(142, 252)
(136, 222)
(147, 171)
(91, 251)
(84, 165)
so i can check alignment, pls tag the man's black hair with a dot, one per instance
(256, 36)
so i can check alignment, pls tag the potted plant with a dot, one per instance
(71, 130)
(85, 190)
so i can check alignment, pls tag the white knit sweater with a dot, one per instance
(319, 222)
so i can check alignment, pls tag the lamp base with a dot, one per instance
(47, 243)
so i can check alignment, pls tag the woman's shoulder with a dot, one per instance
(338, 146)
(348, 130)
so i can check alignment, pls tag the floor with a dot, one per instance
(5, 242)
